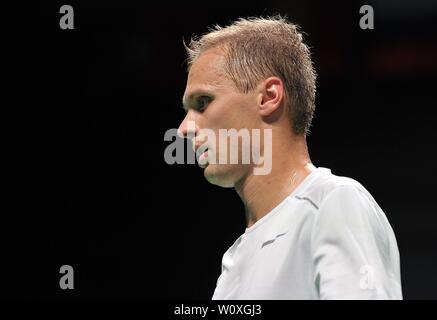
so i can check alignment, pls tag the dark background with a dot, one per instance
(83, 121)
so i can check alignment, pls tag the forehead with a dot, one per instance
(207, 73)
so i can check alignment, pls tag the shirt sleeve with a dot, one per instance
(354, 250)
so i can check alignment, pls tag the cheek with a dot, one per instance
(230, 114)
(218, 117)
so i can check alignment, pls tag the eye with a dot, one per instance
(202, 102)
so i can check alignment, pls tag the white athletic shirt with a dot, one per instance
(328, 239)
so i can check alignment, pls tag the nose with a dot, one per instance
(188, 128)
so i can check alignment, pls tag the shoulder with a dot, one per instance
(328, 187)
(342, 202)
(342, 206)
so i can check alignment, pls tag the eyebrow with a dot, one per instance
(197, 93)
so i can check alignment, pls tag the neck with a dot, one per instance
(261, 193)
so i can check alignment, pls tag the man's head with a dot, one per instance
(253, 74)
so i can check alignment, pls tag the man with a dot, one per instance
(310, 234)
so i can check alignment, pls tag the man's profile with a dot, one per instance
(310, 234)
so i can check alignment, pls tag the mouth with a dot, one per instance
(202, 159)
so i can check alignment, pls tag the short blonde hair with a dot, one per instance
(257, 48)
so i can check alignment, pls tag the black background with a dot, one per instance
(85, 113)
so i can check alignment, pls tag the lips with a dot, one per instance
(202, 159)
(201, 151)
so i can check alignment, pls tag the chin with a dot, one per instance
(220, 175)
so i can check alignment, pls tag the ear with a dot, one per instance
(271, 93)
